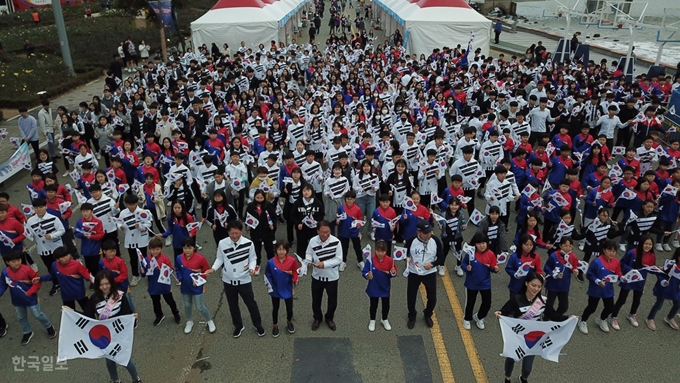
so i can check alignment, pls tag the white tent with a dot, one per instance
(429, 24)
(252, 21)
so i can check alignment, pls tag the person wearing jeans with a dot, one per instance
(365, 184)
(192, 291)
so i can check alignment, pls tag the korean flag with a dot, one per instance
(628, 194)
(409, 204)
(251, 221)
(27, 209)
(164, 276)
(399, 253)
(476, 217)
(82, 337)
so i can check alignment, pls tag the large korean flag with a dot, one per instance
(82, 337)
(528, 337)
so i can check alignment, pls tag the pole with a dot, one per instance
(63, 38)
(164, 47)
(631, 28)
(565, 49)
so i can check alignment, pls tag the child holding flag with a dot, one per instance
(635, 259)
(456, 223)
(261, 223)
(384, 215)
(191, 268)
(521, 262)
(281, 274)
(24, 284)
(478, 263)
(558, 269)
(667, 287)
(379, 271)
(180, 227)
(90, 230)
(71, 276)
(349, 220)
(159, 286)
(601, 274)
(118, 269)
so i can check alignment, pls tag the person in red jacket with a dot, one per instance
(282, 274)
(12, 211)
(62, 192)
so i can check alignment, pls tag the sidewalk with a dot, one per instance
(70, 100)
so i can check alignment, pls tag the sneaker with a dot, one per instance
(34, 266)
(651, 324)
(99, 156)
(54, 290)
(188, 327)
(158, 320)
(237, 332)
(177, 318)
(386, 324)
(666, 247)
(372, 236)
(65, 174)
(459, 271)
(603, 324)
(26, 339)
(257, 270)
(466, 324)
(676, 243)
(583, 327)
(3, 331)
(658, 247)
(135, 280)
(371, 325)
(622, 247)
(671, 322)
(275, 331)
(168, 241)
(136, 323)
(580, 277)
(479, 322)
(290, 327)
(411, 324)
(178, 283)
(429, 322)
(581, 246)
(52, 333)
(199, 247)
(633, 320)
(211, 326)
(615, 323)
(361, 265)
(343, 266)
(442, 271)
(260, 331)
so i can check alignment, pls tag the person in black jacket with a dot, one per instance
(528, 304)
(109, 302)
(219, 214)
(291, 191)
(307, 212)
(140, 124)
(264, 231)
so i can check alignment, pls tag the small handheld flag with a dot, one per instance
(198, 279)
(251, 221)
(27, 209)
(341, 217)
(523, 270)
(357, 224)
(476, 217)
(529, 190)
(502, 258)
(632, 276)
(377, 225)
(611, 278)
(618, 150)
(399, 253)
(470, 251)
(583, 266)
(409, 204)
(164, 276)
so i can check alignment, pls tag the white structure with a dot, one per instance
(429, 24)
(252, 21)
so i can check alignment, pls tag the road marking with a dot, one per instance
(439, 346)
(470, 348)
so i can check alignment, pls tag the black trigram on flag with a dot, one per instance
(520, 352)
(546, 343)
(81, 347)
(82, 323)
(118, 326)
(553, 328)
(115, 350)
(518, 328)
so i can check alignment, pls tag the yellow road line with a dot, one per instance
(470, 348)
(439, 346)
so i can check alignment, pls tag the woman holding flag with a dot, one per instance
(452, 234)
(109, 302)
(350, 220)
(521, 262)
(527, 304)
(261, 223)
(180, 226)
(634, 261)
(280, 274)
(602, 273)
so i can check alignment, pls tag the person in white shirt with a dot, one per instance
(46, 231)
(237, 171)
(424, 253)
(236, 256)
(135, 223)
(499, 192)
(324, 253)
(609, 123)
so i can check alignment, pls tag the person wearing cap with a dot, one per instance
(424, 253)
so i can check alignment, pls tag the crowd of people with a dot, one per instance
(345, 142)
